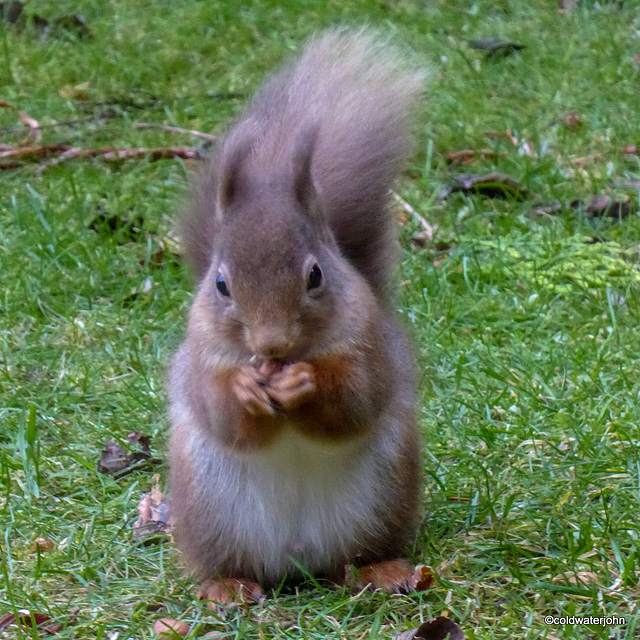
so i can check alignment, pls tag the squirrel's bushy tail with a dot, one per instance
(357, 91)
(361, 91)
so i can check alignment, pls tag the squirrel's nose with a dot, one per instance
(271, 342)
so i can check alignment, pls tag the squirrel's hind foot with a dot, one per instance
(224, 592)
(393, 576)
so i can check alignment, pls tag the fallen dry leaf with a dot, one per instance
(42, 545)
(598, 206)
(6, 620)
(494, 47)
(32, 123)
(467, 156)
(604, 205)
(492, 185)
(61, 25)
(585, 159)
(436, 629)
(629, 149)
(73, 23)
(572, 120)
(573, 577)
(76, 92)
(153, 514)
(35, 134)
(115, 460)
(423, 578)
(10, 12)
(129, 228)
(41, 621)
(168, 628)
(163, 255)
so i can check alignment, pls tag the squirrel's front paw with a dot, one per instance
(293, 386)
(249, 388)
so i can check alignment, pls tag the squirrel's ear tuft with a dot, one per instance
(304, 145)
(234, 153)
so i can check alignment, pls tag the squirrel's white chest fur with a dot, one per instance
(295, 501)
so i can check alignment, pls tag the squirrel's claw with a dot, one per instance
(293, 386)
(248, 387)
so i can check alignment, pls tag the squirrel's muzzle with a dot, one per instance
(272, 342)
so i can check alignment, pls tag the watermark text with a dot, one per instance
(603, 621)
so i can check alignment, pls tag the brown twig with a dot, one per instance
(52, 125)
(33, 126)
(37, 151)
(13, 157)
(586, 159)
(429, 230)
(165, 127)
(117, 154)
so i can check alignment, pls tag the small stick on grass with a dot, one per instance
(13, 157)
(100, 120)
(429, 230)
(164, 127)
(33, 126)
(115, 154)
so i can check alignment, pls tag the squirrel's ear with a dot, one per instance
(233, 155)
(303, 187)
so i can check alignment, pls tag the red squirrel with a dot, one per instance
(292, 399)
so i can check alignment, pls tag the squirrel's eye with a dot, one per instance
(315, 278)
(222, 286)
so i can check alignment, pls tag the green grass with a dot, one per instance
(525, 326)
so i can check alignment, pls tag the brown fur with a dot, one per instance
(293, 399)
(351, 94)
